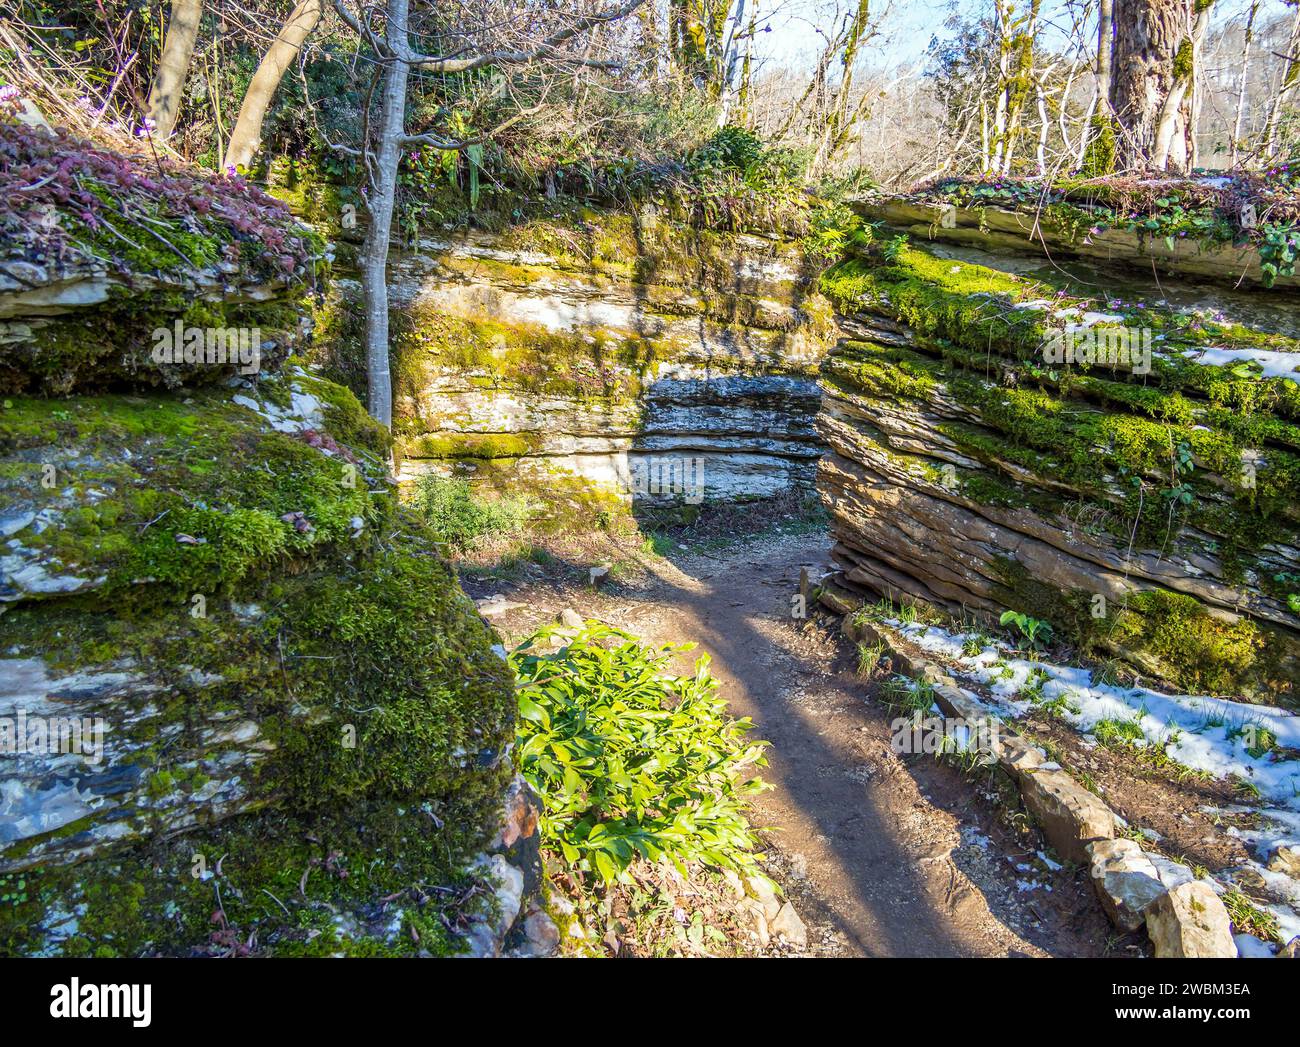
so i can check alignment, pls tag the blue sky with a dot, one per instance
(908, 26)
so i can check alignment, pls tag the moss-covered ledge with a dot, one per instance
(306, 725)
(99, 252)
(1168, 486)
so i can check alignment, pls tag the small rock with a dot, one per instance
(733, 881)
(1190, 921)
(570, 619)
(788, 926)
(1285, 860)
(541, 934)
(598, 574)
(1126, 880)
(1172, 874)
(761, 889)
(1291, 950)
(494, 605)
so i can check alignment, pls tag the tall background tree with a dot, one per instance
(1154, 84)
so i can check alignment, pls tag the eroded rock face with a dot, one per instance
(245, 707)
(610, 355)
(965, 470)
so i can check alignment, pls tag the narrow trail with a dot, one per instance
(882, 855)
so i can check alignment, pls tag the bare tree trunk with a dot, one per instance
(247, 133)
(1241, 84)
(1157, 48)
(374, 252)
(731, 65)
(1097, 109)
(164, 103)
(1040, 153)
(1105, 47)
(1290, 78)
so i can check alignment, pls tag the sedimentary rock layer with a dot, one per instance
(1148, 517)
(546, 354)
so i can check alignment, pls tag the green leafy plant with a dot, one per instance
(630, 761)
(456, 515)
(1035, 630)
(892, 249)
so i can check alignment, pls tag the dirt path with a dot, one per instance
(882, 855)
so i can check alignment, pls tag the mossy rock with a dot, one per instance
(1185, 462)
(133, 272)
(307, 724)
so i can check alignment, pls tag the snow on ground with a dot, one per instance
(1208, 734)
(1273, 364)
(1200, 732)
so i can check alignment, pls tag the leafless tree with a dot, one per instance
(503, 42)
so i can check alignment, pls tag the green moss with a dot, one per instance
(383, 712)
(113, 346)
(193, 495)
(469, 445)
(1202, 459)
(1198, 652)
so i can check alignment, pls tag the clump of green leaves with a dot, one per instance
(1116, 732)
(1035, 630)
(630, 761)
(456, 515)
(1249, 918)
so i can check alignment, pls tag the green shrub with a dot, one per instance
(457, 516)
(630, 761)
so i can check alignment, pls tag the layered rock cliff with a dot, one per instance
(244, 705)
(1003, 435)
(593, 352)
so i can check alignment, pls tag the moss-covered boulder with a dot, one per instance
(245, 706)
(283, 691)
(1142, 494)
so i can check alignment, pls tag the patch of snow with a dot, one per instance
(1201, 732)
(1273, 364)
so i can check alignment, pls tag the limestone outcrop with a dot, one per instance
(587, 351)
(245, 707)
(1229, 228)
(1140, 494)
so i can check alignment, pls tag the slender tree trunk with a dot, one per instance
(1105, 46)
(1290, 78)
(168, 87)
(731, 65)
(1157, 50)
(1098, 107)
(246, 135)
(374, 252)
(1040, 153)
(1240, 118)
